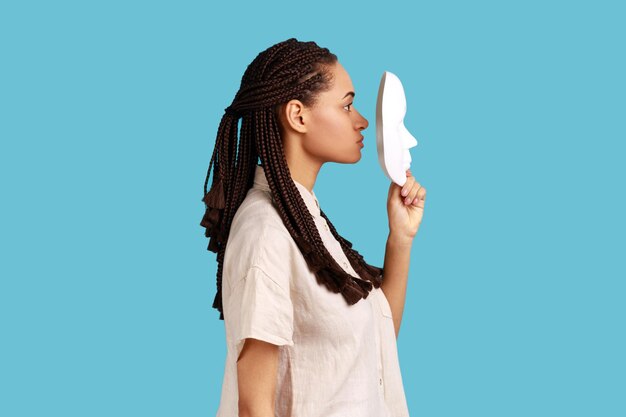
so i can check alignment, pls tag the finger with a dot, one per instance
(422, 194)
(412, 193)
(420, 197)
(408, 184)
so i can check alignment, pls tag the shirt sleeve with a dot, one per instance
(261, 308)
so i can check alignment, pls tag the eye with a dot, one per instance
(348, 105)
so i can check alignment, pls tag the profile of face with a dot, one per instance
(393, 140)
(329, 130)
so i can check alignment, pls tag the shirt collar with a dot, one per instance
(260, 181)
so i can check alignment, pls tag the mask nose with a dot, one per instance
(407, 138)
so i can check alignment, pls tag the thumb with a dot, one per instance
(394, 190)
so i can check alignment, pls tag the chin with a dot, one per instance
(356, 159)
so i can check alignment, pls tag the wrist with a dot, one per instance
(399, 239)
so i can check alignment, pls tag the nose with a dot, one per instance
(362, 123)
(408, 139)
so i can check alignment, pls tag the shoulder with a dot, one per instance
(255, 216)
(258, 238)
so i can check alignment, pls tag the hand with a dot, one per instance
(405, 207)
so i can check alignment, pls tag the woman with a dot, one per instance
(311, 327)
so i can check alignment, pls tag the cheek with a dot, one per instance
(328, 123)
(327, 130)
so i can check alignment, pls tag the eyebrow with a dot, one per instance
(350, 93)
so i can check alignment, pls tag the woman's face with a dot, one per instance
(333, 132)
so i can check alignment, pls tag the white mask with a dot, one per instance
(393, 140)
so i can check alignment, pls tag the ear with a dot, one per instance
(293, 114)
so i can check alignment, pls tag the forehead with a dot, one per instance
(341, 80)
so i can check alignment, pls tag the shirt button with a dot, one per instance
(380, 381)
(326, 227)
(345, 264)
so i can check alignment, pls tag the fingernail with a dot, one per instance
(403, 192)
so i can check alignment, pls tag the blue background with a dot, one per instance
(108, 115)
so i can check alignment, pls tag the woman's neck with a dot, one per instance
(302, 167)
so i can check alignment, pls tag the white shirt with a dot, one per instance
(335, 359)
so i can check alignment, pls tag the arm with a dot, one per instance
(396, 272)
(405, 207)
(257, 370)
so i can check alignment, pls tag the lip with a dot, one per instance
(360, 140)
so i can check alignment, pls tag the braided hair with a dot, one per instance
(287, 70)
